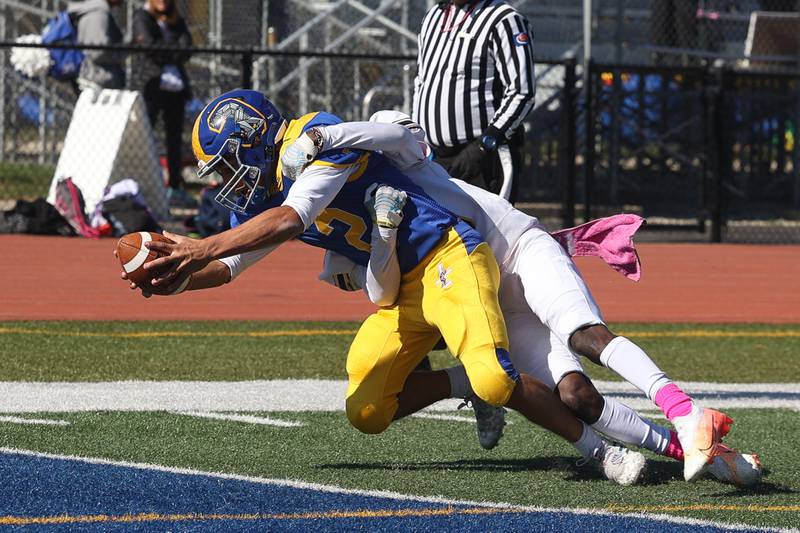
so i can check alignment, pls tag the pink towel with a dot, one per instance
(609, 238)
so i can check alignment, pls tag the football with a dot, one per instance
(133, 254)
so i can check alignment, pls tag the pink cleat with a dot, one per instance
(700, 433)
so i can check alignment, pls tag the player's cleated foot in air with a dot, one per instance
(490, 421)
(621, 465)
(740, 469)
(700, 433)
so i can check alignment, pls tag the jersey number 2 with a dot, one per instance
(355, 226)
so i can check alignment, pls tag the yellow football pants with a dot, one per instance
(452, 293)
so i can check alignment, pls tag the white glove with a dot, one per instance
(389, 203)
(299, 154)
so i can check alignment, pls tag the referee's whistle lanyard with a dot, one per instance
(453, 25)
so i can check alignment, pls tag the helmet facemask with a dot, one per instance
(242, 182)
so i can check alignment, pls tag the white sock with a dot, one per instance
(590, 445)
(629, 361)
(659, 438)
(459, 382)
(623, 424)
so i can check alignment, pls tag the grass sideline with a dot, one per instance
(237, 350)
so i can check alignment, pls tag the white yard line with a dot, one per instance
(33, 421)
(454, 418)
(247, 419)
(315, 395)
(376, 493)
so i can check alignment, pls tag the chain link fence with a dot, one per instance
(746, 33)
(704, 154)
(647, 133)
(36, 113)
(760, 162)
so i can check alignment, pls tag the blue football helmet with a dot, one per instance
(234, 137)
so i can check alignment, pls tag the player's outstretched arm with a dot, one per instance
(216, 273)
(372, 136)
(395, 141)
(187, 256)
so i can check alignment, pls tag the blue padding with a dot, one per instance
(505, 361)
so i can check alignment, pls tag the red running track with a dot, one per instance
(56, 278)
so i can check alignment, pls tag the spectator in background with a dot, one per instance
(95, 24)
(166, 85)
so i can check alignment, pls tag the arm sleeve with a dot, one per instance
(240, 262)
(512, 45)
(396, 142)
(382, 282)
(315, 188)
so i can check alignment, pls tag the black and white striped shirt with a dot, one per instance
(475, 72)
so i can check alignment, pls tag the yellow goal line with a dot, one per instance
(150, 334)
(158, 517)
(378, 513)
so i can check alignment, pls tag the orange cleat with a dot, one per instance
(700, 433)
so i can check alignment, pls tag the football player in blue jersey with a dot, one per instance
(449, 276)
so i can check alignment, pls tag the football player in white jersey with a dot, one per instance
(380, 281)
(550, 313)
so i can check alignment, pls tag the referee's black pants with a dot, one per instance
(504, 166)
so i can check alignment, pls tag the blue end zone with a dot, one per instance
(47, 487)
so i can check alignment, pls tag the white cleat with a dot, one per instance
(700, 433)
(490, 421)
(621, 465)
(740, 469)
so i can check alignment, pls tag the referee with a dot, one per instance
(475, 85)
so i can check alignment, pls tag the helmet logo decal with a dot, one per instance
(250, 122)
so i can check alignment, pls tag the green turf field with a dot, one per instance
(103, 351)
(415, 456)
